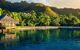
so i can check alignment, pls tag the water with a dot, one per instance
(49, 39)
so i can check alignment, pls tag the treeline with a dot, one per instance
(41, 19)
(32, 18)
(36, 14)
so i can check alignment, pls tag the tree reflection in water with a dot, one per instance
(25, 37)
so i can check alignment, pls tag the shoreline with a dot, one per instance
(37, 27)
(45, 27)
(40, 27)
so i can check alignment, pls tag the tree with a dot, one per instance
(63, 20)
(33, 19)
(30, 18)
(44, 19)
(1, 11)
(74, 20)
(55, 21)
(70, 20)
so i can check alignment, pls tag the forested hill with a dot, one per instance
(38, 14)
(22, 6)
(38, 7)
(67, 11)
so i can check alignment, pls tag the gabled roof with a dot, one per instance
(2, 16)
(8, 18)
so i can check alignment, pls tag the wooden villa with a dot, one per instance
(7, 21)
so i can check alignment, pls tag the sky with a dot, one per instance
(55, 3)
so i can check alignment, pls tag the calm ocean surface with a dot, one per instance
(49, 39)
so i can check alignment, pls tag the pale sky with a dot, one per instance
(55, 3)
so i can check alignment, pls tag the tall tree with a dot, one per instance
(44, 19)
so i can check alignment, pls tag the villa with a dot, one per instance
(7, 21)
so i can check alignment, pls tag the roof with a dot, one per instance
(2, 16)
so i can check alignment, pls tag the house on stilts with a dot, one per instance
(7, 21)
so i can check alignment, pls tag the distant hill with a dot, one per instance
(38, 7)
(67, 11)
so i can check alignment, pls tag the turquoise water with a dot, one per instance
(49, 39)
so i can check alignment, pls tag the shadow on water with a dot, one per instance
(1, 44)
(55, 39)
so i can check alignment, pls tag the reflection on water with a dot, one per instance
(49, 39)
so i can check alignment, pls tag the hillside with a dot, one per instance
(29, 13)
(38, 7)
(67, 11)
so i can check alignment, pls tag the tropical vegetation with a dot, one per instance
(37, 14)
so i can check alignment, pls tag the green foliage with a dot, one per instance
(36, 14)
(50, 12)
(3, 11)
(63, 20)
(29, 19)
(16, 16)
(33, 19)
(69, 20)
(0, 11)
(74, 20)
(55, 21)
(44, 19)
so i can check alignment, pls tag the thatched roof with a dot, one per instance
(8, 19)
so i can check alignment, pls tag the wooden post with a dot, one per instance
(2, 27)
(2, 30)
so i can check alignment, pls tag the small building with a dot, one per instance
(7, 21)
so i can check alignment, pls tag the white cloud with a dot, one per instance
(65, 3)
(55, 3)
